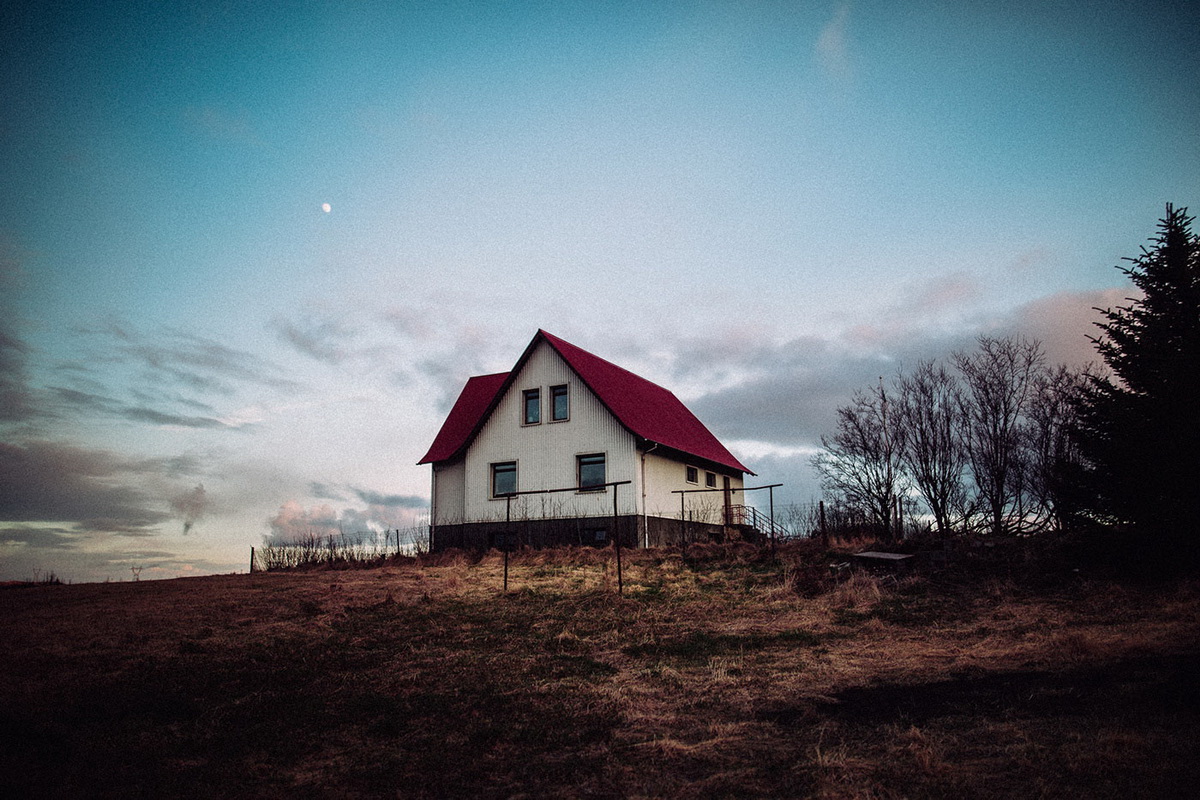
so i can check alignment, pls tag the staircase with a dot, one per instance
(755, 525)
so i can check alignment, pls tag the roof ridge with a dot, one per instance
(612, 364)
(647, 410)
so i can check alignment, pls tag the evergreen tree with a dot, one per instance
(1138, 429)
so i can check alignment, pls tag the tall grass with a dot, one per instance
(342, 550)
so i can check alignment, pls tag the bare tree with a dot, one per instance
(928, 410)
(999, 382)
(861, 462)
(1057, 463)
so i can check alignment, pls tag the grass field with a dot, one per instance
(719, 673)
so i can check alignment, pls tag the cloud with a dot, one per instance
(391, 500)
(324, 340)
(191, 506)
(32, 553)
(323, 491)
(16, 398)
(178, 359)
(413, 323)
(76, 400)
(788, 393)
(296, 522)
(92, 489)
(45, 538)
(833, 46)
(165, 378)
(1063, 322)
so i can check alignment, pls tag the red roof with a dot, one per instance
(645, 409)
(468, 411)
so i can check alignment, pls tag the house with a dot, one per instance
(534, 456)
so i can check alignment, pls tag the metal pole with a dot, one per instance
(617, 534)
(683, 523)
(251, 560)
(507, 534)
(771, 495)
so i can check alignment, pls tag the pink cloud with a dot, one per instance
(1063, 322)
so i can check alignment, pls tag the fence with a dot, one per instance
(361, 548)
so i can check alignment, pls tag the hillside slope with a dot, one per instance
(719, 674)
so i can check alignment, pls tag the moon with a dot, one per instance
(326, 207)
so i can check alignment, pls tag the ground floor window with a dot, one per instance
(591, 472)
(504, 478)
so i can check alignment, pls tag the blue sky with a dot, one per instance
(762, 206)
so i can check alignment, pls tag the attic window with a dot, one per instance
(533, 406)
(560, 403)
(693, 475)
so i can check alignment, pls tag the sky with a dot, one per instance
(250, 252)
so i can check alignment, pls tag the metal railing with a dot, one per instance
(752, 517)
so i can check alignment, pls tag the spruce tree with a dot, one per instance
(1138, 429)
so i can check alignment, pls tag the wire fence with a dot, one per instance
(351, 549)
(342, 549)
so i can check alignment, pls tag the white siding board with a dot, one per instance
(545, 453)
(448, 493)
(664, 476)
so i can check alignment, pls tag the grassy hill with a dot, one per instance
(719, 672)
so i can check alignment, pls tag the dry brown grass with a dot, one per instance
(719, 672)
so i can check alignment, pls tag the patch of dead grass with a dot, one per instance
(714, 675)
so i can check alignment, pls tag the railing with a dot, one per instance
(752, 517)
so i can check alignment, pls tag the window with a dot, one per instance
(693, 475)
(533, 406)
(710, 480)
(591, 471)
(504, 478)
(560, 404)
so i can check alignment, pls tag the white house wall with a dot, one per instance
(448, 493)
(545, 453)
(665, 476)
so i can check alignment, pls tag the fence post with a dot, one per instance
(824, 530)
(252, 560)
(617, 534)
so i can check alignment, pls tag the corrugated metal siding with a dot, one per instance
(448, 494)
(545, 453)
(665, 475)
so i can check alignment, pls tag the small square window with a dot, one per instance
(532, 406)
(560, 403)
(591, 471)
(504, 478)
(692, 475)
(710, 480)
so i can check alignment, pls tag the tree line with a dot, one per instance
(978, 443)
(995, 440)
